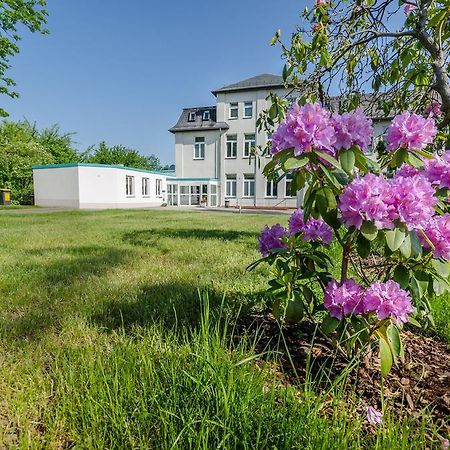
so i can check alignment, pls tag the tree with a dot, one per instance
(15, 14)
(354, 47)
(119, 154)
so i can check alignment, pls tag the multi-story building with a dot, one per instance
(213, 145)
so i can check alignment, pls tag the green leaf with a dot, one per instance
(405, 248)
(401, 276)
(347, 160)
(295, 163)
(416, 246)
(441, 267)
(294, 310)
(329, 324)
(394, 340)
(395, 238)
(399, 157)
(327, 157)
(369, 230)
(386, 358)
(362, 246)
(325, 200)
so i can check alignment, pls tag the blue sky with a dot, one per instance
(121, 71)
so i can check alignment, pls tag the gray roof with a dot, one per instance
(184, 124)
(264, 81)
(368, 103)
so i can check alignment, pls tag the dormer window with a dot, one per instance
(191, 117)
(206, 115)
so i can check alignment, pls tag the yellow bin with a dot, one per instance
(5, 197)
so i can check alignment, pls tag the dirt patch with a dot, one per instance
(421, 382)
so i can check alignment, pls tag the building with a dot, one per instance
(213, 146)
(98, 186)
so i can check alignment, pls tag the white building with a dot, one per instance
(213, 145)
(98, 186)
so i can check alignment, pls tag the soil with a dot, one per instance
(421, 381)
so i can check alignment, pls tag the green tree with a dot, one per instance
(14, 15)
(353, 47)
(119, 154)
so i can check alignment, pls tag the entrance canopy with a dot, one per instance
(192, 191)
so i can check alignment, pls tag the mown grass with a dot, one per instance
(105, 342)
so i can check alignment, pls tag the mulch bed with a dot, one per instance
(422, 381)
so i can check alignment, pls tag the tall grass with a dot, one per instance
(105, 344)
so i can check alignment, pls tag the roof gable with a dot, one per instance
(262, 81)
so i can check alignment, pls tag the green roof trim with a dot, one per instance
(192, 179)
(105, 166)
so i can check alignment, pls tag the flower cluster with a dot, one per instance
(406, 171)
(312, 127)
(304, 129)
(410, 131)
(352, 129)
(372, 198)
(345, 299)
(386, 300)
(437, 170)
(313, 229)
(438, 233)
(409, 8)
(414, 201)
(367, 198)
(271, 238)
(433, 109)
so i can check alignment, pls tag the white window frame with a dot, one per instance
(234, 106)
(247, 182)
(230, 186)
(231, 144)
(287, 181)
(145, 187)
(271, 189)
(191, 116)
(249, 142)
(129, 186)
(199, 148)
(158, 186)
(206, 115)
(246, 106)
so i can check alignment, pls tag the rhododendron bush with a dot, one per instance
(387, 213)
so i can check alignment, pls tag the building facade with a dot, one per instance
(98, 186)
(213, 145)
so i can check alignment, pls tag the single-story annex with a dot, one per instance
(98, 186)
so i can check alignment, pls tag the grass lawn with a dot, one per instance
(103, 344)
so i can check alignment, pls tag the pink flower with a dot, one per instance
(313, 230)
(433, 109)
(304, 129)
(343, 300)
(414, 201)
(319, 2)
(352, 129)
(409, 8)
(388, 300)
(271, 238)
(445, 444)
(406, 171)
(437, 170)
(373, 416)
(367, 198)
(438, 232)
(410, 131)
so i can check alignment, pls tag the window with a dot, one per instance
(231, 146)
(271, 189)
(206, 115)
(249, 145)
(199, 148)
(129, 181)
(234, 107)
(145, 186)
(289, 178)
(248, 110)
(249, 185)
(191, 117)
(230, 185)
(158, 187)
